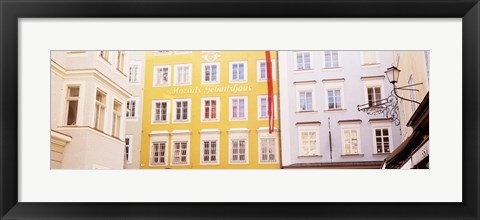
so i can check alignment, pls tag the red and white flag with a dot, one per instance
(271, 111)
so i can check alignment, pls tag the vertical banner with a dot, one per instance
(270, 92)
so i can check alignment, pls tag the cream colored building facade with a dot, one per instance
(133, 128)
(89, 93)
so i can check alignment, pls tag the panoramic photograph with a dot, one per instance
(164, 109)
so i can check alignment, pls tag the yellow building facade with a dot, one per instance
(207, 110)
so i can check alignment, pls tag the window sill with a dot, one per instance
(352, 155)
(303, 70)
(209, 163)
(381, 154)
(121, 71)
(332, 69)
(336, 110)
(160, 122)
(310, 156)
(181, 121)
(371, 65)
(309, 111)
(182, 84)
(210, 82)
(268, 162)
(157, 165)
(238, 119)
(238, 81)
(161, 85)
(210, 120)
(238, 163)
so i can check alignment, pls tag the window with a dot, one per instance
(132, 108)
(121, 61)
(351, 139)
(305, 94)
(306, 102)
(331, 59)
(180, 150)
(238, 71)
(382, 140)
(104, 54)
(263, 105)
(182, 110)
(161, 111)
(268, 150)
(100, 104)
(209, 151)
(158, 153)
(308, 142)
(134, 72)
(128, 148)
(72, 105)
(302, 60)
(374, 95)
(210, 109)
(238, 151)
(161, 75)
(334, 100)
(117, 115)
(369, 57)
(238, 145)
(183, 74)
(262, 70)
(210, 73)
(238, 109)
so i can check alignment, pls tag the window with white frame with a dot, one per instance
(305, 100)
(267, 148)
(308, 138)
(238, 145)
(238, 107)
(183, 74)
(209, 151)
(369, 57)
(120, 60)
(161, 109)
(350, 141)
(302, 60)
(334, 99)
(374, 95)
(262, 106)
(262, 70)
(117, 115)
(382, 140)
(73, 96)
(180, 152)
(182, 109)
(238, 151)
(158, 153)
(210, 72)
(331, 59)
(209, 146)
(134, 72)
(132, 108)
(210, 108)
(128, 148)
(351, 138)
(100, 105)
(161, 75)
(238, 71)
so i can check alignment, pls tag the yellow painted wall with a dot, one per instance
(195, 125)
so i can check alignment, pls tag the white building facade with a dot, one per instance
(133, 129)
(89, 94)
(320, 122)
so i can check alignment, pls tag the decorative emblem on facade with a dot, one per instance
(211, 57)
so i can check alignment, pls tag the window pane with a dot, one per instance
(72, 112)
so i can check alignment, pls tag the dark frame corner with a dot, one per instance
(12, 10)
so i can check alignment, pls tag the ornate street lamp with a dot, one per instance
(389, 106)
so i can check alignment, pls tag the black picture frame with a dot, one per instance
(12, 10)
